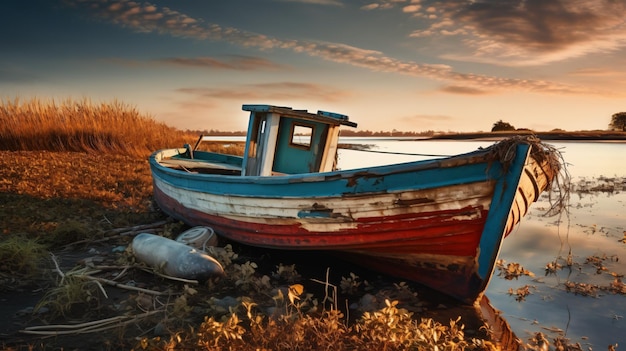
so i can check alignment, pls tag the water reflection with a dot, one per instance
(594, 239)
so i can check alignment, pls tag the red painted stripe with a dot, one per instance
(408, 233)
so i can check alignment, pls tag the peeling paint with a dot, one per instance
(420, 200)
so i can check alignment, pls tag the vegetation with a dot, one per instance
(618, 122)
(82, 126)
(22, 257)
(501, 126)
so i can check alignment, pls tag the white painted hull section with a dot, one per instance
(346, 210)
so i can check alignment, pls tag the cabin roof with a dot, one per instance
(321, 116)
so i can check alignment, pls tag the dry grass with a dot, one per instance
(81, 125)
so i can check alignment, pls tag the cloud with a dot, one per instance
(427, 121)
(386, 4)
(463, 90)
(269, 91)
(147, 17)
(429, 118)
(529, 32)
(597, 72)
(411, 8)
(317, 2)
(17, 75)
(231, 62)
(370, 7)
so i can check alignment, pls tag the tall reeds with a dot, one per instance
(82, 125)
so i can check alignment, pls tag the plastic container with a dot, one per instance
(174, 258)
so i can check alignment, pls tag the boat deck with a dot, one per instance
(201, 166)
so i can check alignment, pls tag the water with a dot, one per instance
(593, 231)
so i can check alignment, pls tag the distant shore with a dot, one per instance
(599, 136)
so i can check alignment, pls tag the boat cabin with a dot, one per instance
(282, 141)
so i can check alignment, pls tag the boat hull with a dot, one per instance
(439, 223)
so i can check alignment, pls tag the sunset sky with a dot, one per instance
(409, 65)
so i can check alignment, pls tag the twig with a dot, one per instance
(76, 326)
(101, 289)
(114, 233)
(169, 276)
(106, 267)
(57, 268)
(327, 284)
(138, 227)
(121, 273)
(123, 286)
(89, 327)
(106, 219)
(107, 238)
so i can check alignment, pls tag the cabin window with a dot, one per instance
(301, 135)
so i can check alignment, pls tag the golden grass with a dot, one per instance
(82, 125)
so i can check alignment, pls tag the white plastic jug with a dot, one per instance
(174, 258)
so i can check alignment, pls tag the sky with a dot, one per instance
(406, 65)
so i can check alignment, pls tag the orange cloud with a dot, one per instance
(269, 91)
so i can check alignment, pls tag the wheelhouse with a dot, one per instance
(281, 140)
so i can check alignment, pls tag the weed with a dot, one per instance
(521, 292)
(287, 273)
(350, 285)
(69, 231)
(20, 258)
(390, 328)
(71, 298)
(512, 270)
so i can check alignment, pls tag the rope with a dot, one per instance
(398, 153)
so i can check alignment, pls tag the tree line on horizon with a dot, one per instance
(617, 123)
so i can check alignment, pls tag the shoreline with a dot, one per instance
(551, 136)
(599, 137)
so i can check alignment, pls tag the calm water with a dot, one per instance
(595, 227)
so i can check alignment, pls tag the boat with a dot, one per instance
(438, 222)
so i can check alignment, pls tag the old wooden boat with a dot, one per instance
(437, 222)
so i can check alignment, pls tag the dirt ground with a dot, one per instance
(19, 304)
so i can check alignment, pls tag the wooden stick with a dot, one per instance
(148, 270)
(123, 286)
(138, 227)
(57, 268)
(89, 327)
(113, 233)
(76, 326)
